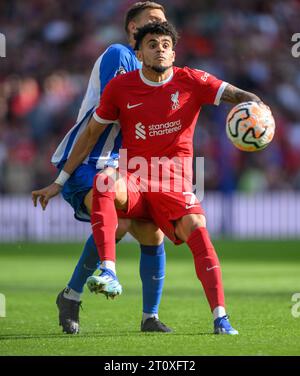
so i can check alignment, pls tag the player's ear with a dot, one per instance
(174, 56)
(132, 27)
(139, 55)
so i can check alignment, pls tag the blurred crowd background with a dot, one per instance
(53, 44)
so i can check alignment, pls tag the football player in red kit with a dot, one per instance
(157, 108)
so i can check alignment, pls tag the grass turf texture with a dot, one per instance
(259, 279)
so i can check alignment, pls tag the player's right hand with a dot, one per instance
(45, 194)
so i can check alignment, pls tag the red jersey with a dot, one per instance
(158, 118)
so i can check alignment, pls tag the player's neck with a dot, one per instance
(154, 76)
(131, 41)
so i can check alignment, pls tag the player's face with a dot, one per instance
(156, 52)
(149, 15)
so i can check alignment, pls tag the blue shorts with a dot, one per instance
(77, 187)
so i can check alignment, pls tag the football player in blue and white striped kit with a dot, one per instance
(77, 188)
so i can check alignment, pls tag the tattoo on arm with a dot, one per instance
(234, 95)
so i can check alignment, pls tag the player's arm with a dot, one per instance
(82, 148)
(210, 90)
(234, 95)
(84, 145)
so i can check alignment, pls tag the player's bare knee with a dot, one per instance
(146, 233)
(197, 220)
(123, 227)
(187, 224)
(153, 238)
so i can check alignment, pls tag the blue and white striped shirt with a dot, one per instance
(117, 59)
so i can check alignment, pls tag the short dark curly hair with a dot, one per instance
(159, 28)
(137, 8)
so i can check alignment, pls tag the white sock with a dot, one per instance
(109, 265)
(219, 312)
(72, 294)
(148, 315)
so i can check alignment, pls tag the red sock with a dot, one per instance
(207, 266)
(104, 221)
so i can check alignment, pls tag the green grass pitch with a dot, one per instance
(260, 278)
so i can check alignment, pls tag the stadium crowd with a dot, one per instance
(53, 44)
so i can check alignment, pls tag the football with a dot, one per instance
(250, 126)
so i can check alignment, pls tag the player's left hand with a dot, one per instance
(45, 194)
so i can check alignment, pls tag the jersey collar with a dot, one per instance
(152, 83)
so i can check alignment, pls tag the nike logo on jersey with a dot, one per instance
(133, 105)
(190, 206)
(213, 267)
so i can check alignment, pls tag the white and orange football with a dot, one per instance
(250, 126)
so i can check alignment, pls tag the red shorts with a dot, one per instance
(163, 208)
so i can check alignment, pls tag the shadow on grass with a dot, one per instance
(7, 337)
(170, 291)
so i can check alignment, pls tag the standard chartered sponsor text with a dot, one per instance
(164, 128)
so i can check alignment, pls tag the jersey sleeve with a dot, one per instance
(107, 111)
(115, 61)
(209, 88)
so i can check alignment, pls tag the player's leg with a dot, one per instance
(108, 191)
(181, 218)
(69, 299)
(75, 192)
(78, 193)
(191, 229)
(124, 224)
(129, 202)
(152, 255)
(152, 272)
(89, 259)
